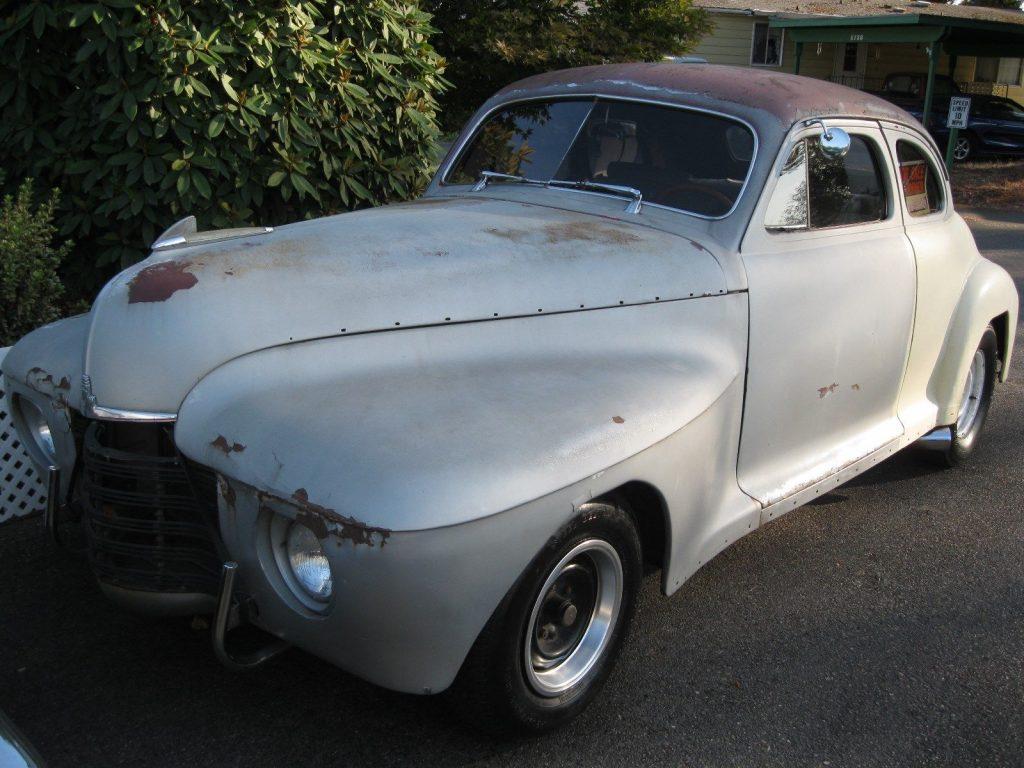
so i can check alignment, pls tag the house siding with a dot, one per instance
(730, 40)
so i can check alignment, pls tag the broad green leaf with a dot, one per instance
(225, 82)
(131, 107)
(216, 126)
(200, 183)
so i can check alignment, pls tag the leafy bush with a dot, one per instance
(237, 111)
(487, 45)
(30, 291)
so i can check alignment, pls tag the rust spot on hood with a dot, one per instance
(618, 420)
(569, 231)
(823, 392)
(325, 522)
(222, 444)
(158, 282)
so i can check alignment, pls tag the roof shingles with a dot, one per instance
(863, 8)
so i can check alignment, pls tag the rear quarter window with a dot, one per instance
(920, 182)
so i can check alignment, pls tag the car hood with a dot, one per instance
(162, 325)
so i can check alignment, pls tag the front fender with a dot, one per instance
(431, 427)
(45, 366)
(988, 293)
(434, 463)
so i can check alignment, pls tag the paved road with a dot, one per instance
(881, 626)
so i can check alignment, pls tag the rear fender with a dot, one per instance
(988, 293)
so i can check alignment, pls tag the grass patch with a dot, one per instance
(989, 184)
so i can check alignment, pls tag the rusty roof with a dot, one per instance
(854, 8)
(741, 91)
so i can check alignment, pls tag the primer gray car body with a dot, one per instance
(435, 387)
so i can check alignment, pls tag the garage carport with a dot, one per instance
(934, 33)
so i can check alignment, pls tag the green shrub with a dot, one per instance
(237, 111)
(487, 45)
(30, 291)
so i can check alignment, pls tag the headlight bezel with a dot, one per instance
(35, 429)
(281, 531)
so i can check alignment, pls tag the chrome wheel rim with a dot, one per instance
(962, 149)
(970, 402)
(573, 617)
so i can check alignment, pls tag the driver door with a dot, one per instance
(831, 278)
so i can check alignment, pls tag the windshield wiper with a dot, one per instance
(596, 186)
(488, 176)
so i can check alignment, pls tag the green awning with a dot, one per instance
(959, 36)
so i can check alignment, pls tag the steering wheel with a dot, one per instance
(689, 186)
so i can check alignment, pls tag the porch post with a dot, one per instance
(933, 58)
(798, 50)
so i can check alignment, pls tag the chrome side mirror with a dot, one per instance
(834, 142)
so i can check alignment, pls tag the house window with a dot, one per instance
(766, 50)
(1003, 71)
(850, 58)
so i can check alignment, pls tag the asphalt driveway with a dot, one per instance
(882, 626)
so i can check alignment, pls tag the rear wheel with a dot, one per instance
(965, 148)
(974, 400)
(550, 645)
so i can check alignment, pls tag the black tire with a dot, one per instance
(968, 143)
(492, 691)
(966, 436)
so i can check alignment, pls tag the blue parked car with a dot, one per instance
(994, 127)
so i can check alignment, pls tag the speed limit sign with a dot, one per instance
(959, 111)
(956, 118)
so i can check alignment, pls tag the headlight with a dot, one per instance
(37, 427)
(308, 562)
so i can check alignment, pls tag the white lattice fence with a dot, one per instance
(22, 491)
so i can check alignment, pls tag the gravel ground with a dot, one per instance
(881, 626)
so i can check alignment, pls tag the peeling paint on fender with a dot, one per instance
(325, 522)
(824, 392)
(227, 448)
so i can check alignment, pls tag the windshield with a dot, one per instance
(679, 158)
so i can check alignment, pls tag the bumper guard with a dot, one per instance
(230, 615)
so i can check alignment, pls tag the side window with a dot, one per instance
(815, 191)
(922, 186)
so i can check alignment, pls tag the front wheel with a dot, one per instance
(552, 642)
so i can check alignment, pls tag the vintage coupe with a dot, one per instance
(640, 311)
